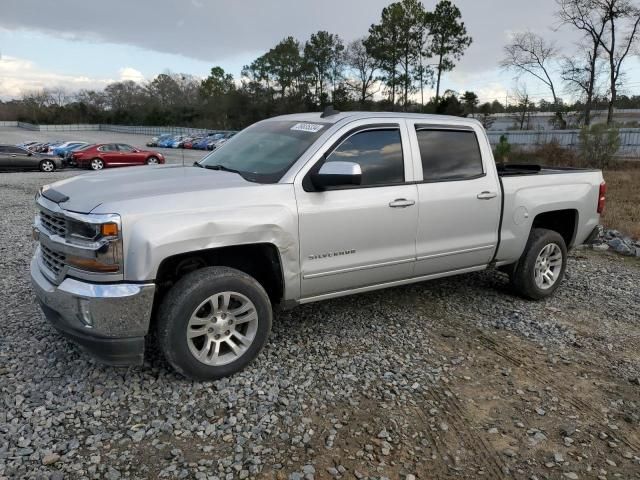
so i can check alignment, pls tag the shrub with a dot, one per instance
(598, 144)
(503, 149)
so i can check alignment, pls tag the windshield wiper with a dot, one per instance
(245, 175)
(221, 167)
(197, 164)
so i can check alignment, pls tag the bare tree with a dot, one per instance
(585, 16)
(363, 66)
(529, 53)
(620, 15)
(524, 107)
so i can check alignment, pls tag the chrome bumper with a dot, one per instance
(109, 320)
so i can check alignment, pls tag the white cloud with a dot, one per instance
(129, 73)
(18, 76)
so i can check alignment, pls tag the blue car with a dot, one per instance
(204, 142)
(168, 141)
(62, 150)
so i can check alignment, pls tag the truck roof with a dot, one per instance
(335, 118)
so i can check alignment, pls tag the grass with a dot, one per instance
(622, 210)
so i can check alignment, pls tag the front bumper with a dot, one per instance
(110, 321)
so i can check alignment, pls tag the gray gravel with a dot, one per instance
(367, 361)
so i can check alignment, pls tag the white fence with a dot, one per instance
(629, 139)
(134, 129)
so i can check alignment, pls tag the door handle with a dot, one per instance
(401, 203)
(14, 155)
(487, 195)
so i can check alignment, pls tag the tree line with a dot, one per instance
(406, 51)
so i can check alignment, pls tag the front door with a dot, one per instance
(362, 235)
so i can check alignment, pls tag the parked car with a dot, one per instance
(295, 209)
(62, 149)
(99, 156)
(167, 142)
(155, 140)
(178, 141)
(13, 157)
(203, 143)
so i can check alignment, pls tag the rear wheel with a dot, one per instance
(47, 166)
(152, 161)
(213, 322)
(541, 268)
(96, 164)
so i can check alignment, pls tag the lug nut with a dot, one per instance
(217, 336)
(227, 332)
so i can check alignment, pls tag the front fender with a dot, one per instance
(153, 237)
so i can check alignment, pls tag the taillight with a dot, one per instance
(602, 197)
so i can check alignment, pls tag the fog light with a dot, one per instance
(85, 312)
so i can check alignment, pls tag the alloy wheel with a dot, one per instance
(548, 266)
(222, 328)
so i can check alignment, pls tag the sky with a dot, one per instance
(78, 44)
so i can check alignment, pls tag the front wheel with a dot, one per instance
(152, 161)
(213, 322)
(96, 164)
(47, 166)
(541, 268)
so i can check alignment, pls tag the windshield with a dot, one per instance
(265, 151)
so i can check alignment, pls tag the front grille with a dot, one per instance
(54, 261)
(54, 224)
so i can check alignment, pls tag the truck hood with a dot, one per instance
(86, 192)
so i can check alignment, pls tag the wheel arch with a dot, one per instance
(564, 222)
(261, 261)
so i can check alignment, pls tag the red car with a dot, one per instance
(102, 155)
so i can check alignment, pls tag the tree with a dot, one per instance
(323, 53)
(618, 13)
(470, 101)
(284, 64)
(218, 83)
(396, 44)
(449, 38)
(591, 21)
(529, 53)
(363, 67)
(523, 107)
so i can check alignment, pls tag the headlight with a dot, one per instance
(102, 234)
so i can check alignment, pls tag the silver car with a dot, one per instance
(18, 158)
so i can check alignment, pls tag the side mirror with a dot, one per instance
(335, 174)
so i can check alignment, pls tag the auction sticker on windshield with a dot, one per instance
(307, 127)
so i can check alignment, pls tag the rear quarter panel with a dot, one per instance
(527, 196)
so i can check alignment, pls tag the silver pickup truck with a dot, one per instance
(292, 210)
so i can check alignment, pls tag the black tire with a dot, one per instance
(152, 160)
(523, 275)
(183, 300)
(47, 166)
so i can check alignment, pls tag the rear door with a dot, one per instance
(459, 198)
(356, 236)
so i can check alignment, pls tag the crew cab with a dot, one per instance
(294, 209)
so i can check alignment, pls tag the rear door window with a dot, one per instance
(449, 155)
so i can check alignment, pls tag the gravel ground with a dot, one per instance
(454, 378)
